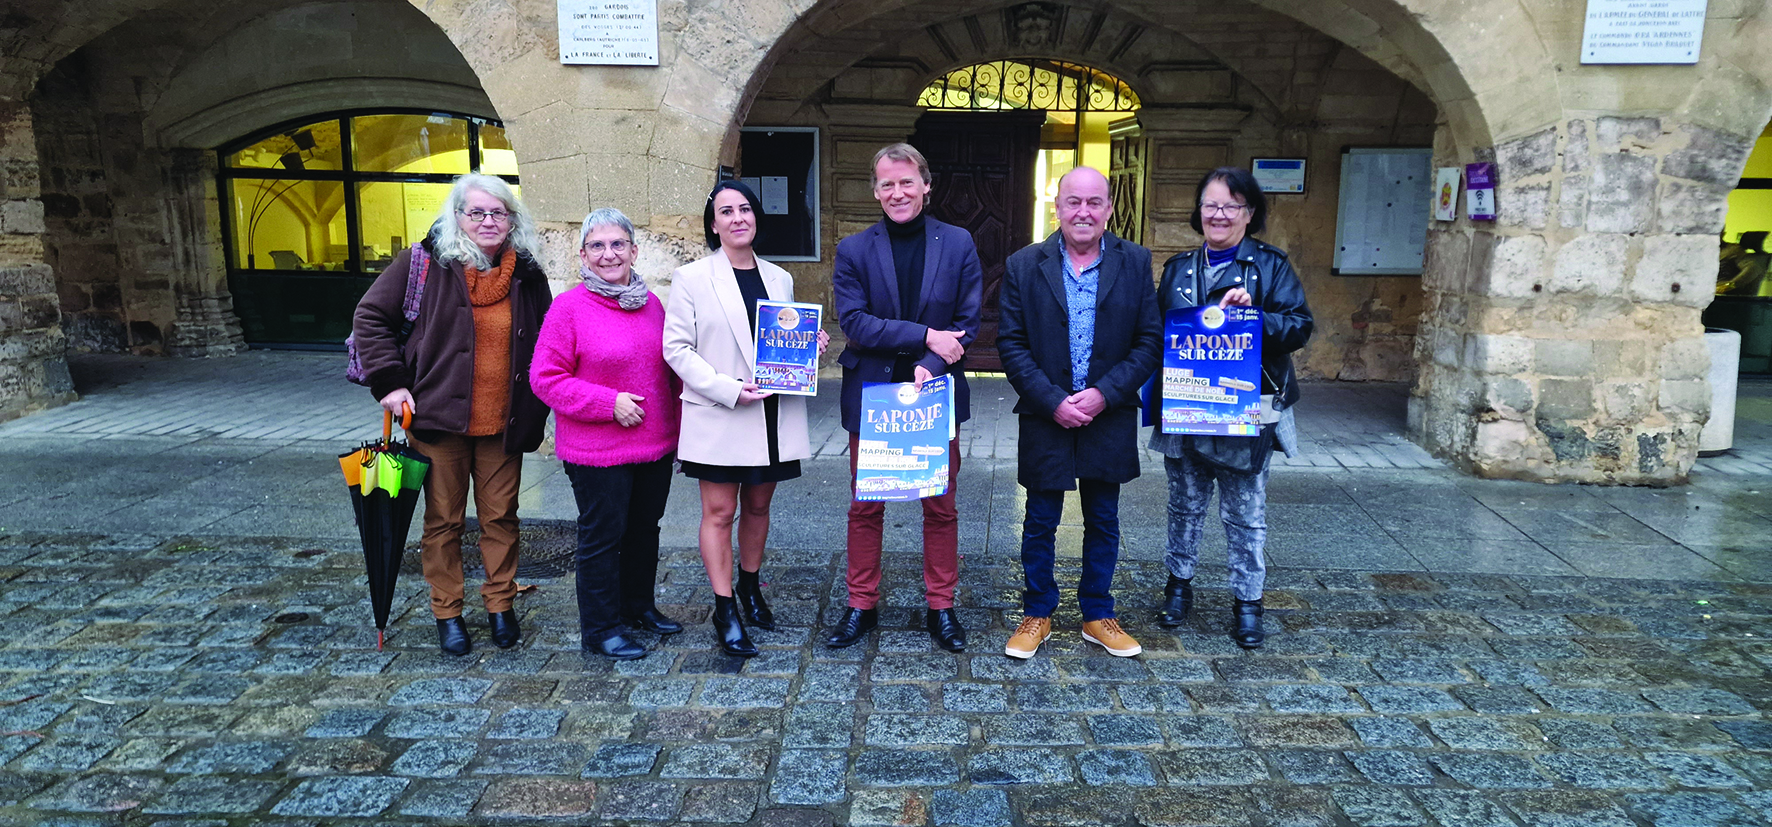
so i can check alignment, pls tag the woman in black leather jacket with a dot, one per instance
(1233, 268)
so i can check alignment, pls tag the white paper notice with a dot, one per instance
(609, 32)
(775, 195)
(756, 184)
(1642, 31)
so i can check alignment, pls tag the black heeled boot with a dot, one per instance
(1178, 600)
(730, 629)
(750, 601)
(452, 636)
(1248, 632)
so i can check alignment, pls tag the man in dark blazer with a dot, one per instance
(907, 292)
(1079, 334)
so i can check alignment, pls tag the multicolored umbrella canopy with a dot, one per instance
(384, 479)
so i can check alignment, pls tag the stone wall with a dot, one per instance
(33, 367)
(1564, 338)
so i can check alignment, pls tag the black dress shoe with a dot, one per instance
(1178, 600)
(654, 621)
(504, 628)
(944, 626)
(854, 626)
(452, 636)
(730, 629)
(1248, 632)
(750, 601)
(616, 645)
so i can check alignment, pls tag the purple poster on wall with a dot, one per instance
(1479, 191)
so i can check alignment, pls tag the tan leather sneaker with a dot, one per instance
(1032, 632)
(1108, 634)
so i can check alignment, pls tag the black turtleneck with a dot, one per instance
(908, 245)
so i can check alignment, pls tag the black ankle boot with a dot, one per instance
(505, 631)
(1178, 600)
(452, 636)
(730, 629)
(1248, 632)
(750, 601)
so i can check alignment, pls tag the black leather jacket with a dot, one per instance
(1262, 269)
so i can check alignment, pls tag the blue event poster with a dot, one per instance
(902, 451)
(1212, 371)
(787, 347)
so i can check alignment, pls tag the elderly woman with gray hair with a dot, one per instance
(600, 365)
(461, 367)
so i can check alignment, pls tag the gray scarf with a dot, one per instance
(631, 296)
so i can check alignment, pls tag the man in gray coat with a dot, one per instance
(1079, 334)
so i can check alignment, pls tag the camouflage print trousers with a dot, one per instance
(1242, 504)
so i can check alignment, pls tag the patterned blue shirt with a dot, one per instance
(1079, 296)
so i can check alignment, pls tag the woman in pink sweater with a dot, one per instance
(599, 363)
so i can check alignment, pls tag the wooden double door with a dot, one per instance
(981, 167)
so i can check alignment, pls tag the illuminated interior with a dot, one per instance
(315, 211)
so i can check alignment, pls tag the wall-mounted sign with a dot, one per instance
(1445, 193)
(609, 32)
(1281, 175)
(1642, 31)
(1479, 191)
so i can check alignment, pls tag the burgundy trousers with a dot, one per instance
(941, 541)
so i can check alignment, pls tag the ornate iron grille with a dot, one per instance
(1029, 84)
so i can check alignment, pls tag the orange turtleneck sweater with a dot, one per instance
(490, 294)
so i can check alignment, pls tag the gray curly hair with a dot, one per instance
(453, 245)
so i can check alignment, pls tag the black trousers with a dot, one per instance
(618, 512)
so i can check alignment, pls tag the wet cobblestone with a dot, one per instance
(132, 687)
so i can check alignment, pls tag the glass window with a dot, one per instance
(423, 144)
(496, 155)
(312, 147)
(395, 214)
(311, 224)
(280, 224)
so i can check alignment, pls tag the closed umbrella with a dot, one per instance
(384, 479)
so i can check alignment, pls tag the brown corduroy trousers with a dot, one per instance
(496, 476)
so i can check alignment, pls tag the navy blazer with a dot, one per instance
(1034, 342)
(865, 284)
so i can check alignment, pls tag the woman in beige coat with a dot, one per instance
(738, 441)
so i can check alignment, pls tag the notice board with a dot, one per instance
(1386, 198)
(780, 164)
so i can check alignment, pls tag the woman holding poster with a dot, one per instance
(599, 363)
(738, 440)
(1232, 269)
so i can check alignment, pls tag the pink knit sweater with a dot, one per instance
(589, 350)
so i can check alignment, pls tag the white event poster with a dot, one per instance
(609, 32)
(1642, 31)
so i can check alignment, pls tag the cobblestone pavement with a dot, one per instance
(184, 641)
(207, 681)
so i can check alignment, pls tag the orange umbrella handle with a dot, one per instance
(387, 422)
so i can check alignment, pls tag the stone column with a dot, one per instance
(205, 323)
(1562, 341)
(33, 352)
(1185, 143)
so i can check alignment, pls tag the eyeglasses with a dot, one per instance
(479, 216)
(617, 247)
(1226, 210)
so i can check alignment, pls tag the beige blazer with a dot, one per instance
(708, 342)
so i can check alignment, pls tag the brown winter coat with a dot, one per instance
(438, 362)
